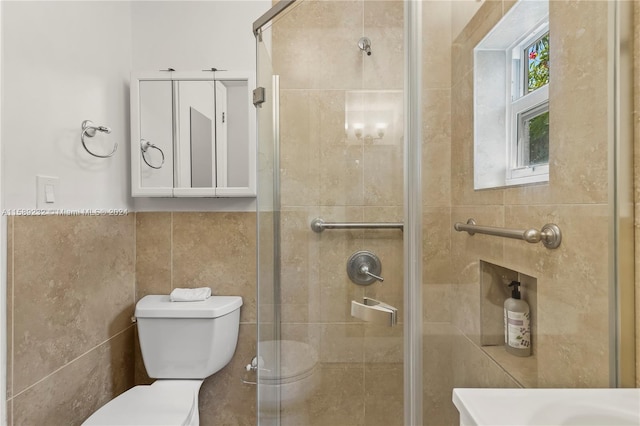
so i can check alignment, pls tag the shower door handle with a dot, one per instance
(375, 311)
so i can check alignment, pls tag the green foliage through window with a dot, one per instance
(539, 139)
(537, 126)
(538, 63)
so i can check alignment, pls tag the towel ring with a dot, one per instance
(144, 147)
(88, 129)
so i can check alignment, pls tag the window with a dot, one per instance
(511, 99)
(528, 111)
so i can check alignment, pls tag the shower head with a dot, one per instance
(365, 45)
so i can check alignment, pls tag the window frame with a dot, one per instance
(519, 105)
(492, 69)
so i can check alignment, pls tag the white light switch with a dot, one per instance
(49, 194)
(46, 192)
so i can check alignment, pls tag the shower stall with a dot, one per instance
(331, 149)
(371, 307)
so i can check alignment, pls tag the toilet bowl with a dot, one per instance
(182, 343)
(165, 402)
(286, 388)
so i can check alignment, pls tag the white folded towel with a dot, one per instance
(190, 294)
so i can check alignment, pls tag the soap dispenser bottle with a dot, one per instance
(517, 328)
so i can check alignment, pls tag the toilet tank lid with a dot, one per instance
(160, 306)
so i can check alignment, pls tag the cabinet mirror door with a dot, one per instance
(153, 148)
(196, 137)
(195, 122)
(234, 127)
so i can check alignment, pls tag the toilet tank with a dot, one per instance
(187, 340)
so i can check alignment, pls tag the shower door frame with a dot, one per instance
(622, 332)
(3, 272)
(413, 392)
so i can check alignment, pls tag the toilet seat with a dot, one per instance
(165, 402)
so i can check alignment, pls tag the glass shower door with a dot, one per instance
(334, 152)
(267, 363)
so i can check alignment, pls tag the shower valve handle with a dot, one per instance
(364, 269)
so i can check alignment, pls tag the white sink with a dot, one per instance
(584, 407)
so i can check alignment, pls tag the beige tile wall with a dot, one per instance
(216, 250)
(572, 289)
(436, 215)
(52, 351)
(636, 162)
(72, 346)
(71, 294)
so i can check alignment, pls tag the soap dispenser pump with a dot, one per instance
(517, 328)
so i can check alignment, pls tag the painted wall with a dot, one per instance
(63, 63)
(193, 36)
(64, 69)
(461, 13)
(59, 70)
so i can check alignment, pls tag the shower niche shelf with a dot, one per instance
(494, 290)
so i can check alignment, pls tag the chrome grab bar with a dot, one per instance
(319, 225)
(550, 234)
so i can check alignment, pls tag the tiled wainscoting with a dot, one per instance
(72, 287)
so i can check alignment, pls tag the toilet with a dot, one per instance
(285, 390)
(182, 343)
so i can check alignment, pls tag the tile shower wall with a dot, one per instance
(327, 172)
(450, 358)
(636, 162)
(572, 289)
(216, 250)
(440, 342)
(71, 294)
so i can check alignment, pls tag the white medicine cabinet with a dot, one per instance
(192, 134)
